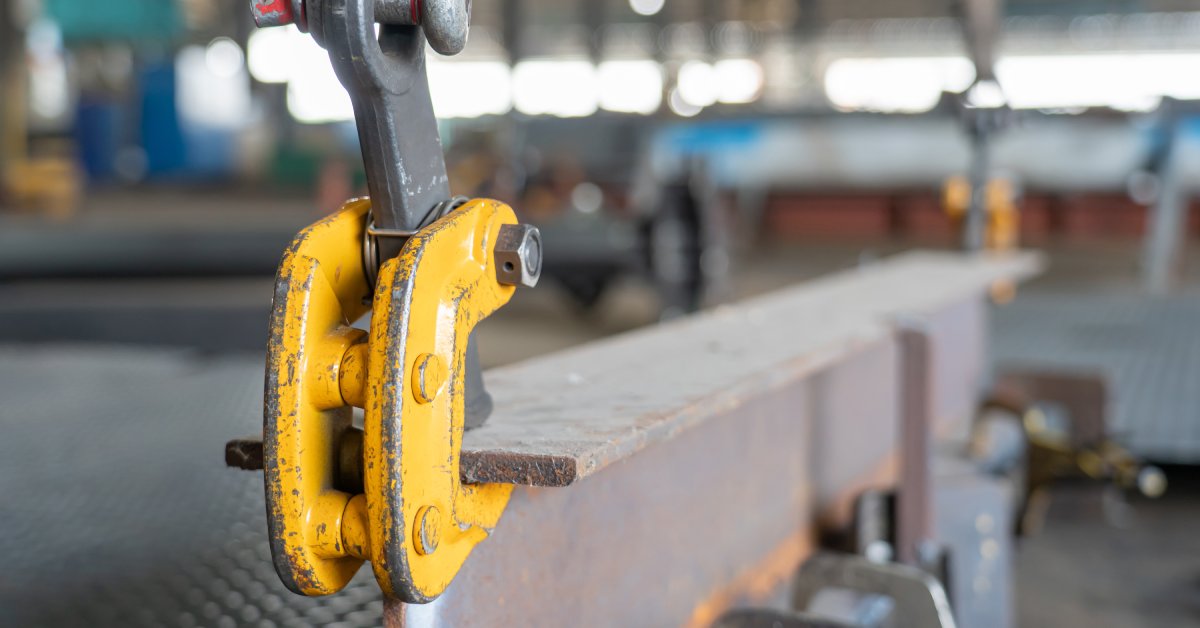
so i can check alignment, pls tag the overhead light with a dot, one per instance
(633, 86)
(270, 53)
(738, 80)
(469, 89)
(680, 106)
(646, 7)
(49, 83)
(316, 97)
(697, 84)
(986, 95)
(560, 88)
(902, 85)
(1129, 81)
(285, 55)
(211, 94)
(224, 57)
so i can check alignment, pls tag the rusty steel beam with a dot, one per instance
(564, 417)
(914, 494)
(672, 473)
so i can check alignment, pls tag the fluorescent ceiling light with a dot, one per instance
(559, 88)
(316, 97)
(1130, 81)
(697, 84)
(903, 85)
(224, 58)
(986, 95)
(680, 106)
(469, 89)
(634, 86)
(1127, 81)
(270, 53)
(645, 7)
(739, 81)
(211, 94)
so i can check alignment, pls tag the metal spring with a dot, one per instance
(371, 235)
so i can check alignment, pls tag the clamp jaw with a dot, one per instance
(390, 493)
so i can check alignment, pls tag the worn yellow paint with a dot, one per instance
(409, 378)
(427, 301)
(320, 289)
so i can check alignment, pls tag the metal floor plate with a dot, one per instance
(1148, 347)
(117, 508)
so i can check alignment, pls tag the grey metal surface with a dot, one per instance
(1095, 567)
(116, 494)
(775, 443)
(209, 315)
(918, 598)
(649, 540)
(973, 514)
(117, 510)
(1148, 347)
(913, 515)
(565, 416)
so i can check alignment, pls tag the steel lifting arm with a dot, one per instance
(384, 72)
(427, 268)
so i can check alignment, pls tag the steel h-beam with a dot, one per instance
(669, 473)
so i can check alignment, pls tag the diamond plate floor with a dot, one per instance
(1149, 348)
(117, 508)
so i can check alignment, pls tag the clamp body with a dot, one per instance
(428, 268)
(391, 493)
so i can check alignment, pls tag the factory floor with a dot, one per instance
(1101, 563)
(1090, 566)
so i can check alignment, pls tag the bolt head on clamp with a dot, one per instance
(519, 255)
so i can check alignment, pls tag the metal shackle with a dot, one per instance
(444, 22)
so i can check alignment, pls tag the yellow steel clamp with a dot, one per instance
(413, 519)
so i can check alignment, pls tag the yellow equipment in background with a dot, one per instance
(1003, 225)
(50, 183)
(1003, 218)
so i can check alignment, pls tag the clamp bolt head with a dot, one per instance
(427, 530)
(518, 255)
(428, 376)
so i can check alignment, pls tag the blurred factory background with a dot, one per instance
(157, 156)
